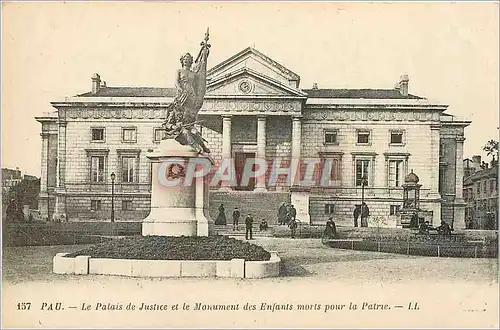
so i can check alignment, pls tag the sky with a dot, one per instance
(50, 51)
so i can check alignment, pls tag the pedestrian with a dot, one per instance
(282, 214)
(365, 213)
(356, 214)
(293, 226)
(263, 226)
(248, 226)
(221, 217)
(331, 228)
(236, 218)
(293, 212)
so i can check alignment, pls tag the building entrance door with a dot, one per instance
(240, 158)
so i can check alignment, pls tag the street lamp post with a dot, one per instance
(364, 182)
(113, 176)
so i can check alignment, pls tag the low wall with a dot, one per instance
(235, 268)
(308, 231)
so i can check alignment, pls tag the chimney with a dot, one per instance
(96, 83)
(476, 159)
(315, 86)
(403, 85)
(103, 84)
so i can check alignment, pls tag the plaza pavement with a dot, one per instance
(451, 292)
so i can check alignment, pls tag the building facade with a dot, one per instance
(255, 108)
(481, 195)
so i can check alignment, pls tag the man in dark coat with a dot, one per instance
(293, 226)
(293, 212)
(365, 212)
(356, 214)
(248, 226)
(236, 218)
(282, 214)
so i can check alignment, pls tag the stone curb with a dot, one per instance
(234, 268)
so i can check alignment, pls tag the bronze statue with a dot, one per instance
(183, 112)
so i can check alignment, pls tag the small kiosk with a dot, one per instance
(409, 214)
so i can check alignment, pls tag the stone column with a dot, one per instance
(434, 162)
(44, 168)
(260, 181)
(42, 200)
(459, 204)
(60, 191)
(226, 145)
(296, 143)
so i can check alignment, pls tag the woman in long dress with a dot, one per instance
(221, 217)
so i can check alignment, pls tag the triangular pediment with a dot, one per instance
(252, 59)
(247, 82)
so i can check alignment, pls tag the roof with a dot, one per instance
(358, 94)
(312, 93)
(132, 92)
(251, 50)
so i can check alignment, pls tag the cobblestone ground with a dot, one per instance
(466, 289)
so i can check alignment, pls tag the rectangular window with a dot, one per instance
(95, 205)
(484, 187)
(129, 135)
(492, 185)
(159, 134)
(395, 173)
(394, 210)
(478, 188)
(329, 208)
(396, 137)
(362, 167)
(97, 134)
(129, 169)
(127, 205)
(363, 137)
(97, 169)
(331, 137)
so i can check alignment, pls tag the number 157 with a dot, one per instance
(23, 306)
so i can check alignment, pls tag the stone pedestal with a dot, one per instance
(300, 200)
(179, 205)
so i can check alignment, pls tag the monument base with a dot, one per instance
(178, 207)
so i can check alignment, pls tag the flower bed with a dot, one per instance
(176, 248)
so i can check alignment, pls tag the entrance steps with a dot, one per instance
(262, 205)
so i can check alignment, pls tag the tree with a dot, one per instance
(24, 193)
(491, 149)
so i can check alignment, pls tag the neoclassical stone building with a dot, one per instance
(256, 108)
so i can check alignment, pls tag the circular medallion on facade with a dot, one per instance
(290, 106)
(416, 115)
(244, 105)
(117, 114)
(256, 106)
(232, 106)
(268, 106)
(280, 106)
(245, 86)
